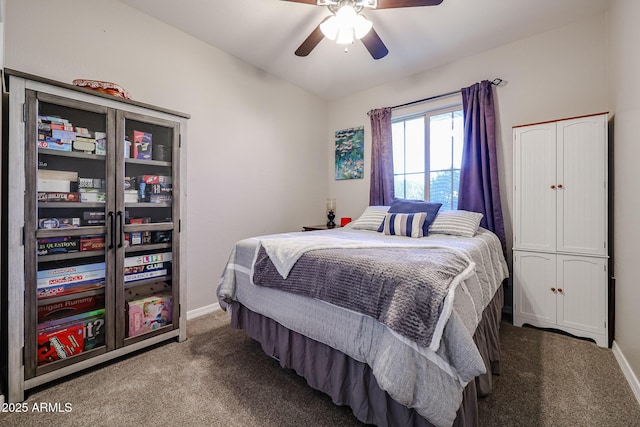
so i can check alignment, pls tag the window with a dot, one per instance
(427, 154)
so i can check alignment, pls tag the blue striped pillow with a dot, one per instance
(404, 224)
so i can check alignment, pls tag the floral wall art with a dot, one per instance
(350, 153)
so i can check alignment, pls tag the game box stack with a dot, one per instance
(92, 190)
(138, 237)
(70, 280)
(73, 323)
(57, 186)
(56, 133)
(154, 188)
(144, 267)
(70, 335)
(148, 314)
(93, 218)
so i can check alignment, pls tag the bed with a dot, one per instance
(368, 355)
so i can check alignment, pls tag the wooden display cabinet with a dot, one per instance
(94, 223)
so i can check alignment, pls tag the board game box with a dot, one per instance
(148, 259)
(48, 223)
(69, 288)
(92, 323)
(51, 196)
(93, 243)
(60, 344)
(142, 145)
(58, 245)
(148, 314)
(70, 307)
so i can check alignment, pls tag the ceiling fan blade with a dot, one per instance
(374, 45)
(392, 4)
(310, 43)
(313, 2)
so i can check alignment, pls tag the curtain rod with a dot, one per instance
(495, 82)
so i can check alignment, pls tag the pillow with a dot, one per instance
(414, 206)
(404, 224)
(457, 223)
(371, 218)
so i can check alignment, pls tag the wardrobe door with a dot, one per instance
(582, 186)
(535, 187)
(535, 288)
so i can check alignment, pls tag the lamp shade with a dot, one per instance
(362, 26)
(330, 28)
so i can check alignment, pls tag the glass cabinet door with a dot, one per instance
(69, 205)
(148, 174)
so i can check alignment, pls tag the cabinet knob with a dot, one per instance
(553, 187)
(560, 290)
(553, 290)
(559, 185)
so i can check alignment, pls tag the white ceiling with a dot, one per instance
(265, 33)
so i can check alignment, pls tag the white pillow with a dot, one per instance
(456, 223)
(370, 219)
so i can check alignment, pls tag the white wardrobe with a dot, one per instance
(560, 248)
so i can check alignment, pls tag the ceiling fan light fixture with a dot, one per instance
(330, 28)
(345, 26)
(362, 26)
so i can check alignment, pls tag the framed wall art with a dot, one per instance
(350, 153)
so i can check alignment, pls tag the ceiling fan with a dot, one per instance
(346, 24)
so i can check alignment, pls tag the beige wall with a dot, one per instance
(255, 152)
(624, 102)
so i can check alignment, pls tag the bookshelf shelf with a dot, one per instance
(146, 281)
(148, 162)
(147, 205)
(97, 207)
(75, 231)
(148, 247)
(70, 256)
(72, 154)
(71, 205)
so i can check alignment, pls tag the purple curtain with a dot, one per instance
(381, 190)
(479, 188)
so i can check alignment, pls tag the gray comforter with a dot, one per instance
(406, 289)
(429, 381)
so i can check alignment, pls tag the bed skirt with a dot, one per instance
(352, 383)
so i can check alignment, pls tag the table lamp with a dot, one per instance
(331, 212)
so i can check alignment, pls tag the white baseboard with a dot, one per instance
(627, 371)
(192, 314)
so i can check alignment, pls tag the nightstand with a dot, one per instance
(318, 227)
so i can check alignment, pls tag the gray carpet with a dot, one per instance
(220, 377)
